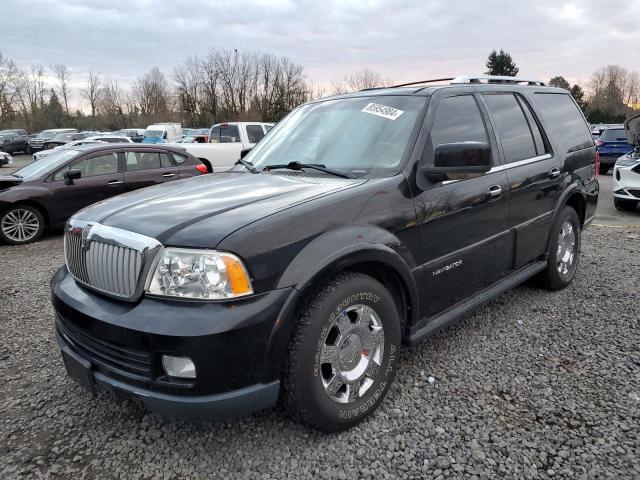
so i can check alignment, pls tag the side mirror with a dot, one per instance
(461, 158)
(71, 175)
(244, 151)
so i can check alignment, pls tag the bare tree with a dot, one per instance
(188, 79)
(91, 93)
(8, 73)
(360, 80)
(112, 104)
(61, 72)
(151, 93)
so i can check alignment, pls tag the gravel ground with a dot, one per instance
(536, 384)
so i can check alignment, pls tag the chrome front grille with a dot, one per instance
(109, 260)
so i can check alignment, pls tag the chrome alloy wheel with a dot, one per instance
(351, 354)
(20, 225)
(566, 247)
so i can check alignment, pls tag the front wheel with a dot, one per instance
(564, 250)
(21, 224)
(343, 354)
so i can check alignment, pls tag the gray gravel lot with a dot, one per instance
(536, 384)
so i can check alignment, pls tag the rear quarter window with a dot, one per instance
(565, 122)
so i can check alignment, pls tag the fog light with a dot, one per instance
(180, 367)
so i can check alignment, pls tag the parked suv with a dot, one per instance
(11, 142)
(359, 223)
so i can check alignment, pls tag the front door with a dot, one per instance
(100, 179)
(466, 243)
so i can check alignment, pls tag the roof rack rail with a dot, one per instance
(409, 84)
(496, 79)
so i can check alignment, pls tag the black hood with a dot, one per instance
(7, 181)
(211, 206)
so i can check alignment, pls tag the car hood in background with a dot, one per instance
(632, 129)
(203, 210)
(7, 181)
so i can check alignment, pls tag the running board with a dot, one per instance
(430, 326)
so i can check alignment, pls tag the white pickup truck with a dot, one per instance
(226, 141)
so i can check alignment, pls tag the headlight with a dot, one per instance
(205, 274)
(627, 160)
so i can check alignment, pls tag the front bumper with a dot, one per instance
(117, 346)
(626, 182)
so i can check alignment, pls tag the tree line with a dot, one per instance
(231, 85)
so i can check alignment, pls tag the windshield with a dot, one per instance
(362, 136)
(47, 165)
(153, 133)
(614, 135)
(65, 137)
(46, 135)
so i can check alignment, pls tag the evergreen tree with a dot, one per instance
(559, 82)
(54, 111)
(577, 93)
(501, 63)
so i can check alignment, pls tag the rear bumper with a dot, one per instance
(191, 408)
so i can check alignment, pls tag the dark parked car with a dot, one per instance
(359, 223)
(47, 193)
(37, 143)
(11, 142)
(612, 144)
(135, 134)
(63, 139)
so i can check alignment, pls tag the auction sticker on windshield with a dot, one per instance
(382, 111)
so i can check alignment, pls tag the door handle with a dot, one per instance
(168, 174)
(554, 172)
(113, 183)
(495, 191)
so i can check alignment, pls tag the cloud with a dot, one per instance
(402, 40)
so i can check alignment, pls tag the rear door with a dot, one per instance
(147, 167)
(533, 172)
(101, 178)
(228, 146)
(466, 243)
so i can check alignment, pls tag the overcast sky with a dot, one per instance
(403, 40)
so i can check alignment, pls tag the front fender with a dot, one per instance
(328, 255)
(344, 247)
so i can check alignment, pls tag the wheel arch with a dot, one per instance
(378, 261)
(207, 163)
(31, 203)
(576, 198)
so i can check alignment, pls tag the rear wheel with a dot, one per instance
(343, 354)
(21, 224)
(622, 204)
(564, 250)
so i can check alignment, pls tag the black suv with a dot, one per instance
(359, 223)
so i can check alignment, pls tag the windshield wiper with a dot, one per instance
(248, 165)
(313, 166)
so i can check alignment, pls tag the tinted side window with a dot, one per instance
(566, 123)
(511, 127)
(541, 145)
(255, 133)
(225, 134)
(136, 161)
(106, 164)
(165, 160)
(458, 119)
(179, 158)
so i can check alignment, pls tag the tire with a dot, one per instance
(622, 204)
(31, 226)
(338, 368)
(564, 250)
